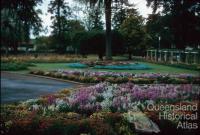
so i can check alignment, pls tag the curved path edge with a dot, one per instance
(46, 77)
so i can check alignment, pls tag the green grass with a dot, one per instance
(156, 68)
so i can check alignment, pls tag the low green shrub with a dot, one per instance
(60, 128)
(14, 66)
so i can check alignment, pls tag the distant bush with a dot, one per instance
(93, 42)
(14, 66)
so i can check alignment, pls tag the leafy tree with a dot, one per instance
(158, 26)
(96, 15)
(132, 32)
(74, 26)
(60, 14)
(93, 18)
(121, 12)
(107, 9)
(42, 43)
(93, 42)
(18, 19)
(184, 20)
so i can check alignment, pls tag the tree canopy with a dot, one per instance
(183, 20)
(18, 19)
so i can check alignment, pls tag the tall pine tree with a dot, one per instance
(60, 12)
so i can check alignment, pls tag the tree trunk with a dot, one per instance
(129, 55)
(129, 51)
(15, 46)
(100, 57)
(108, 29)
(27, 32)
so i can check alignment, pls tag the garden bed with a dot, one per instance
(110, 65)
(102, 109)
(116, 77)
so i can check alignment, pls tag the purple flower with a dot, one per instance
(51, 99)
(124, 95)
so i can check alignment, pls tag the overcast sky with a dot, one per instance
(140, 5)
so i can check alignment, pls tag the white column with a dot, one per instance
(165, 56)
(171, 57)
(195, 59)
(160, 56)
(155, 56)
(179, 56)
(186, 57)
(151, 55)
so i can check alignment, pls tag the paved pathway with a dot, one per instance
(17, 87)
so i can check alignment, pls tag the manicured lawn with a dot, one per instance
(155, 68)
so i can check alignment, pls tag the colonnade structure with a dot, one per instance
(174, 56)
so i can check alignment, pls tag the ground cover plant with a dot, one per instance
(103, 108)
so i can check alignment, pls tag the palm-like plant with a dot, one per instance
(107, 8)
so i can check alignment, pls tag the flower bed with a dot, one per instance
(123, 97)
(119, 77)
(100, 109)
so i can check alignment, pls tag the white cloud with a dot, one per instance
(45, 16)
(140, 5)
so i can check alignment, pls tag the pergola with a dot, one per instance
(174, 56)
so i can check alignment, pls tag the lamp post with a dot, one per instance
(158, 48)
(160, 56)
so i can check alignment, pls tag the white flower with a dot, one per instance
(150, 102)
(35, 107)
(124, 106)
(107, 94)
(105, 104)
(92, 98)
(29, 102)
(44, 111)
(60, 102)
(52, 108)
